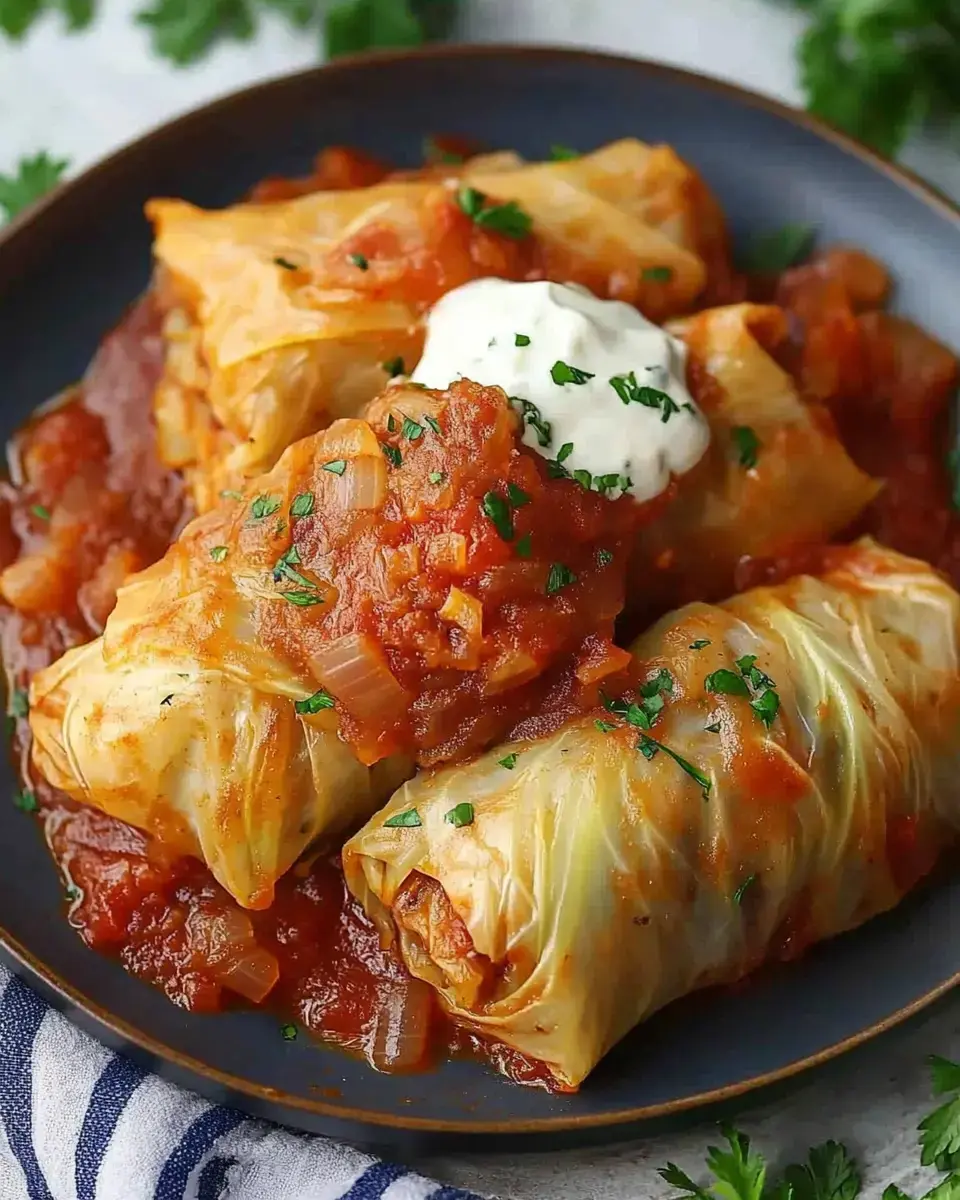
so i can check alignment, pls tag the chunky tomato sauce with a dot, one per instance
(89, 502)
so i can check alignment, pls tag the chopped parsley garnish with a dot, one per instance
(534, 418)
(753, 675)
(778, 249)
(747, 445)
(562, 373)
(229, 494)
(657, 274)
(738, 894)
(41, 511)
(604, 558)
(411, 429)
(497, 509)
(283, 568)
(561, 153)
(264, 506)
(699, 643)
(393, 366)
(302, 599)
(649, 747)
(26, 801)
(509, 762)
(391, 423)
(391, 454)
(631, 392)
(436, 477)
(315, 703)
(714, 728)
(433, 423)
(72, 892)
(287, 265)
(337, 467)
(564, 452)
(726, 683)
(559, 578)
(458, 816)
(521, 339)
(20, 702)
(766, 706)
(661, 682)
(219, 553)
(584, 478)
(167, 700)
(288, 1033)
(517, 496)
(410, 819)
(302, 505)
(359, 260)
(525, 546)
(508, 219)
(605, 726)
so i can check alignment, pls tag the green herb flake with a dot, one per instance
(436, 477)
(167, 700)
(517, 496)
(561, 153)
(565, 451)
(288, 1033)
(508, 219)
(699, 644)
(661, 682)
(337, 467)
(496, 508)
(747, 445)
(410, 819)
(766, 706)
(315, 703)
(656, 274)
(433, 424)
(20, 702)
(681, 762)
(360, 260)
(562, 373)
(41, 511)
(753, 675)
(219, 553)
(285, 263)
(264, 506)
(392, 425)
(302, 599)
(714, 728)
(36, 176)
(604, 558)
(394, 367)
(509, 762)
(391, 454)
(559, 578)
(779, 249)
(725, 683)
(411, 430)
(521, 339)
(534, 418)
(26, 801)
(302, 505)
(739, 893)
(632, 392)
(459, 816)
(524, 546)
(584, 478)
(605, 726)
(72, 893)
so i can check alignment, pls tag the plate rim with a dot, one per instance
(65, 995)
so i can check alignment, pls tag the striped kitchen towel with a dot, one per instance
(78, 1122)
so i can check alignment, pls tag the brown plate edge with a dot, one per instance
(70, 997)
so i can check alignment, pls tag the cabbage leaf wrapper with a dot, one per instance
(282, 317)
(364, 605)
(558, 891)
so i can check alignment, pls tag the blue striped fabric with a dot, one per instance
(80, 1123)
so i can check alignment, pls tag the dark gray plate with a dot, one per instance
(66, 274)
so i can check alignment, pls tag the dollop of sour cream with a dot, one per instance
(600, 389)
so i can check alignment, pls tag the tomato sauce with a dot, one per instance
(89, 502)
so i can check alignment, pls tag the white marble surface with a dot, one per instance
(81, 97)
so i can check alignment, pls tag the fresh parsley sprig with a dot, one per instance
(32, 178)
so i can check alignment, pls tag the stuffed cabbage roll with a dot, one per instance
(388, 592)
(785, 770)
(776, 476)
(282, 317)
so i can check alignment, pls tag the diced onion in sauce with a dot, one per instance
(400, 1037)
(464, 610)
(355, 673)
(363, 485)
(448, 552)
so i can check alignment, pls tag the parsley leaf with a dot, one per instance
(508, 219)
(20, 702)
(17, 16)
(264, 506)
(828, 1174)
(940, 1136)
(779, 249)
(944, 1074)
(766, 706)
(393, 366)
(496, 508)
(302, 505)
(534, 418)
(404, 820)
(411, 429)
(219, 553)
(747, 445)
(509, 761)
(524, 546)
(288, 1033)
(517, 496)
(34, 177)
(657, 274)
(356, 25)
(631, 392)
(461, 814)
(562, 373)
(337, 467)
(360, 260)
(559, 578)
(741, 889)
(184, 30)
(561, 153)
(391, 454)
(699, 644)
(725, 683)
(315, 703)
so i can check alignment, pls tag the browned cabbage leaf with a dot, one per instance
(776, 475)
(273, 330)
(556, 897)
